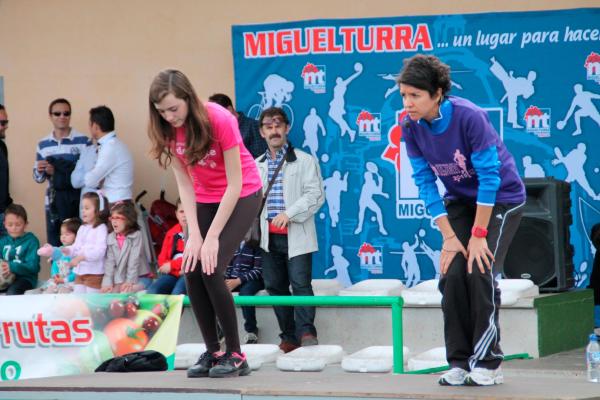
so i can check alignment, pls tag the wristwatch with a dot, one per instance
(479, 231)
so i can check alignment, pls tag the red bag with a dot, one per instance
(162, 217)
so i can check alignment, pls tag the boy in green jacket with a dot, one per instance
(19, 251)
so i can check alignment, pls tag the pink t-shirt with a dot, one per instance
(121, 239)
(208, 175)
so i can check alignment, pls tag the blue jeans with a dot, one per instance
(279, 272)
(168, 284)
(250, 288)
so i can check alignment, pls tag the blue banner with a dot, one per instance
(537, 74)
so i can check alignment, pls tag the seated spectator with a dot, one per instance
(89, 249)
(19, 251)
(62, 277)
(126, 268)
(169, 260)
(244, 275)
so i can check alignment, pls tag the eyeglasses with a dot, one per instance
(3, 122)
(64, 113)
(117, 218)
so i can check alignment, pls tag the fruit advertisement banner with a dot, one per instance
(53, 335)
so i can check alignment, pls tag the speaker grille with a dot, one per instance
(541, 249)
(531, 254)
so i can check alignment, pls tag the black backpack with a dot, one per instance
(148, 360)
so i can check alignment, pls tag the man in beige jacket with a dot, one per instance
(289, 235)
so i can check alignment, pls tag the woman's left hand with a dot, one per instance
(478, 251)
(209, 254)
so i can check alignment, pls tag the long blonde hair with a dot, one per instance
(198, 137)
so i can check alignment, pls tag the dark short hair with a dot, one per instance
(103, 117)
(221, 99)
(425, 72)
(71, 224)
(126, 209)
(273, 112)
(16, 209)
(58, 101)
(2, 107)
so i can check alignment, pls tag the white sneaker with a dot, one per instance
(485, 377)
(455, 377)
(250, 338)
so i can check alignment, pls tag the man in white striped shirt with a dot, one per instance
(55, 159)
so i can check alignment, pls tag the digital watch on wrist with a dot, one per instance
(479, 232)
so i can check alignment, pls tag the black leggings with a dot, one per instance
(209, 296)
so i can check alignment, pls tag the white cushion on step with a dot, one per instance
(425, 293)
(187, 354)
(372, 359)
(310, 358)
(374, 287)
(432, 358)
(511, 290)
(326, 287)
(518, 285)
(259, 354)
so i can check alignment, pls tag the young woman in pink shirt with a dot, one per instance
(218, 181)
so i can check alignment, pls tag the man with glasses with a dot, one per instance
(5, 199)
(55, 160)
(289, 236)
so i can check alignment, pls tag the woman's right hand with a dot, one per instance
(450, 248)
(191, 253)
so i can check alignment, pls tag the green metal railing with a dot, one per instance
(395, 303)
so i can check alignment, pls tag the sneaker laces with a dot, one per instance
(224, 359)
(208, 356)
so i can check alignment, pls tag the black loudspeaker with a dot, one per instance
(541, 249)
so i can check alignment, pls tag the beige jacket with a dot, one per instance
(125, 264)
(303, 196)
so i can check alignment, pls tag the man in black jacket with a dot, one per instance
(5, 199)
